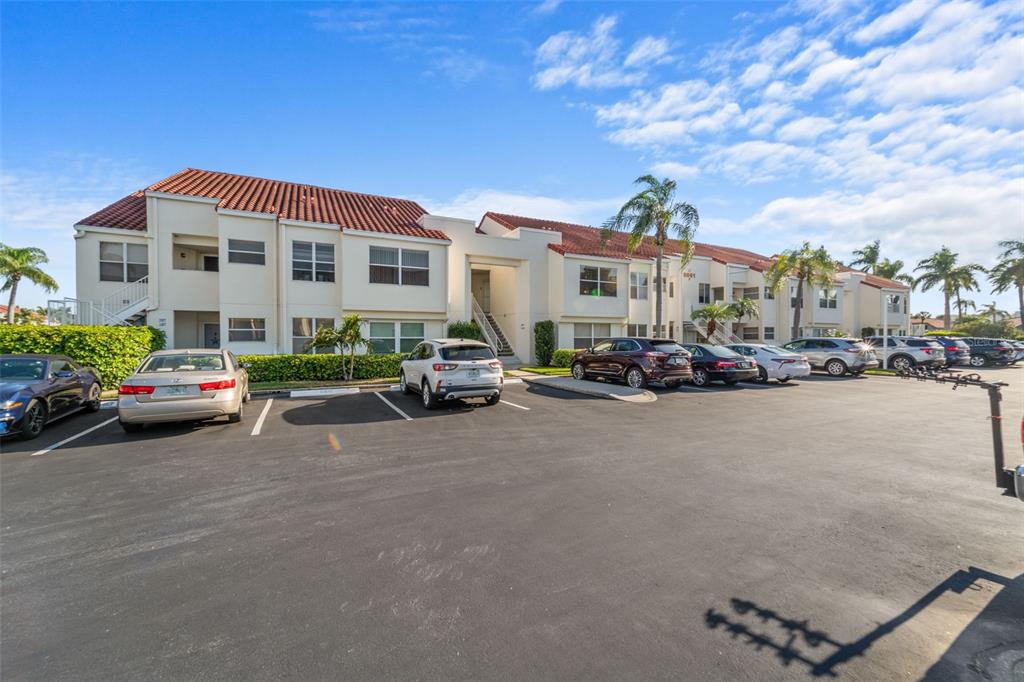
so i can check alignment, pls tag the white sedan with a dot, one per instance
(774, 362)
(450, 369)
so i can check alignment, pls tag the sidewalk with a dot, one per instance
(595, 389)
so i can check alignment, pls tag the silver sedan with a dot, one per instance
(183, 385)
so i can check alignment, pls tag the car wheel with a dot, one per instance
(493, 399)
(403, 384)
(246, 397)
(978, 361)
(130, 427)
(762, 375)
(578, 372)
(635, 378)
(836, 368)
(429, 399)
(92, 402)
(700, 378)
(901, 363)
(34, 420)
(237, 416)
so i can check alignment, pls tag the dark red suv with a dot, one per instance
(635, 361)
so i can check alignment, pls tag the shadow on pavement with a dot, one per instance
(991, 647)
(366, 408)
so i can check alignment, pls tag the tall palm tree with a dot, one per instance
(892, 269)
(654, 212)
(809, 266)
(963, 304)
(1008, 273)
(745, 307)
(714, 314)
(867, 258)
(18, 264)
(993, 313)
(964, 280)
(941, 270)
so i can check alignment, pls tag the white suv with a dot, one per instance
(449, 369)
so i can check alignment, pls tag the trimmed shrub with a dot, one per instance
(319, 367)
(563, 357)
(112, 351)
(465, 330)
(544, 341)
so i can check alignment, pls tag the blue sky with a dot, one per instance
(835, 121)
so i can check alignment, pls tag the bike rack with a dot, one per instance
(1006, 478)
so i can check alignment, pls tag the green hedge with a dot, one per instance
(113, 351)
(465, 330)
(544, 341)
(562, 357)
(319, 367)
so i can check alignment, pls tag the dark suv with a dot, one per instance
(635, 361)
(986, 352)
(957, 351)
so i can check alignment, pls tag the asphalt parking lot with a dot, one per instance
(832, 527)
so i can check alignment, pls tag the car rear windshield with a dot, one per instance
(466, 353)
(183, 362)
(723, 352)
(668, 347)
(22, 369)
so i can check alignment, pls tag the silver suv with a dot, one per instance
(835, 356)
(910, 351)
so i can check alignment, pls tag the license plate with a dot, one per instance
(743, 365)
(176, 390)
(473, 373)
(677, 361)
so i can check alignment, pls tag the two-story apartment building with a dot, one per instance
(216, 259)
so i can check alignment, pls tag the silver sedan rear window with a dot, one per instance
(183, 362)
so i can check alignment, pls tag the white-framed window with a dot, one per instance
(247, 329)
(245, 251)
(392, 265)
(596, 281)
(671, 284)
(312, 261)
(638, 286)
(769, 333)
(704, 292)
(585, 334)
(828, 299)
(123, 262)
(636, 330)
(751, 292)
(769, 294)
(394, 337)
(896, 303)
(303, 330)
(750, 334)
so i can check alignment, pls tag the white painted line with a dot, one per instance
(696, 388)
(513, 380)
(505, 402)
(263, 416)
(71, 438)
(392, 405)
(322, 392)
(108, 404)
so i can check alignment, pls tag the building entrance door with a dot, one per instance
(481, 285)
(211, 335)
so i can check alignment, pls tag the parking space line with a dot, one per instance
(695, 388)
(71, 438)
(263, 416)
(392, 405)
(505, 402)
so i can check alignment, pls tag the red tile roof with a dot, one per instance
(287, 200)
(875, 281)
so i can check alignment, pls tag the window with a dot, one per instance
(626, 346)
(595, 281)
(896, 303)
(704, 292)
(827, 299)
(769, 333)
(312, 261)
(750, 334)
(769, 294)
(394, 337)
(247, 329)
(585, 334)
(391, 265)
(303, 329)
(466, 353)
(638, 286)
(636, 330)
(244, 251)
(672, 287)
(671, 330)
(211, 263)
(751, 292)
(121, 262)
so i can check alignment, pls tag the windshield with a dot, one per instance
(775, 350)
(467, 353)
(22, 369)
(183, 362)
(668, 347)
(723, 352)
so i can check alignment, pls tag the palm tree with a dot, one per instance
(713, 314)
(963, 304)
(993, 313)
(18, 264)
(964, 280)
(942, 271)
(1008, 273)
(892, 269)
(348, 338)
(867, 258)
(655, 213)
(808, 266)
(745, 307)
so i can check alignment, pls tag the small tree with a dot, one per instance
(347, 338)
(17, 264)
(809, 267)
(465, 330)
(544, 341)
(713, 314)
(745, 307)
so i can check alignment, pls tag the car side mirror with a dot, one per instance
(64, 375)
(407, 356)
(590, 350)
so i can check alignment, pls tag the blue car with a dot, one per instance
(36, 389)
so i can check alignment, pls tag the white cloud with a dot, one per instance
(547, 6)
(675, 170)
(647, 50)
(471, 204)
(900, 19)
(807, 129)
(756, 74)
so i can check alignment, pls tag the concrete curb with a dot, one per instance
(594, 389)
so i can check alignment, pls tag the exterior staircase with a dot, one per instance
(493, 334)
(723, 334)
(504, 348)
(125, 307)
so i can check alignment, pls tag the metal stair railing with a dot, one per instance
(485, 326)
(75, 311)
(126, 297)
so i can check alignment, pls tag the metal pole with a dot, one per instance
(885, 329)
(1003, 479)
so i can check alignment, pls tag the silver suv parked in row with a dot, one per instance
(905, 352)
(837, 356)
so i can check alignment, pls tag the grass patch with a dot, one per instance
(548, 371)
(881, 372)
(288, 385)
